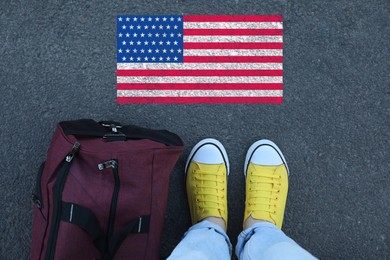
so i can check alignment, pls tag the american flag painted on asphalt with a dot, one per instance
(200, 59)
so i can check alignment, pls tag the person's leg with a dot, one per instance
(206, 170)
(266, 174)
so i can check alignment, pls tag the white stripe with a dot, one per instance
(71, 213)
(170, 79)
(217, 52)
(233, 25)
(199, 93)
(206, 38)
(199, 66)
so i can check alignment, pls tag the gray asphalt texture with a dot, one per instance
(58, 62)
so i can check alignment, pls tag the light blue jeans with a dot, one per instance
(264, 240)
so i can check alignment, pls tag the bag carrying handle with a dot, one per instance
(87, 220)
(89, 127)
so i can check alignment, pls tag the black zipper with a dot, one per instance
(114, 203)
(57, 201)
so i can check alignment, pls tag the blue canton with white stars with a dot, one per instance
(150, 38)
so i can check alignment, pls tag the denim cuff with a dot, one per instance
(246, 234)
(215, 227)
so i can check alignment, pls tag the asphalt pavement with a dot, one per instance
(58, 62)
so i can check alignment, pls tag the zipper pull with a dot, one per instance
(108, 164)
(72, 153)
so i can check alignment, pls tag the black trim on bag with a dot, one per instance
(114, 203)
(136, 226)
(89, 127)
(57, 201)
(86, 220)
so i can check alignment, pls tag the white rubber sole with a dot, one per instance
(214, 142)
(256, 145)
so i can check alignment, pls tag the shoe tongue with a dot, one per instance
(265, 168)
(208, 167)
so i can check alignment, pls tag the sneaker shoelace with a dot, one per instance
(210, 189)
(264, 190)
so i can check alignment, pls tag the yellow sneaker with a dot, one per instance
(266, 182)
(207, 168)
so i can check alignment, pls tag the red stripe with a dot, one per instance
(200, 86)
(197, 100)
(194, 73)
(229, 59)
(233, 45)
(232, 18)
(191, 32)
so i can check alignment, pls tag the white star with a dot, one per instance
(131, 43)
(135, 35)
(142, 34)
(138, 43)
(175, 42)
(161, 27)
(168, 43)
(150, 19)
(168, 58)
(127, 35)
(139, 58)
(146, 27)
(124, 58)
(124, 27)
(120, 19)
(127, 19)
(142, 51)
(172, 35)
(153, 27)
(131, 27)
(150, 51)
(172, 19)
(153, 43)
(157, 19)
(153, 58)
(138, 27)
(175, 27)
(142, 19)
(131, 58)
(160, 42)
(135, 19)
(124, 43)
(171, 50)
(161, 58)
(179, 19)
(120, 50)
(164, 51)
(149, 35)
(120, 35)
(164, 19)
(135, 50)
(168, 27)
(178, 50)
(146, 42)
(175, 58)
(127, 51)
(164, 35)
(157, 35)
(146, 58)
(157, 50)
(179, 35)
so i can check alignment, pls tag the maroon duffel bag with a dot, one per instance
(102, 192)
